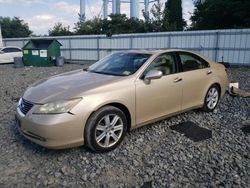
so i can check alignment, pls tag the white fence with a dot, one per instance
(1, 39)
(232, 46)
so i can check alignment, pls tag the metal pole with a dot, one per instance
(114, 7)
(131, 42)
(105, 8)
(134, 8)
(70, 51)
(118, 6)
(98, 48)
(216, 46)
(82, 8)
(169, 40)
(146, 5)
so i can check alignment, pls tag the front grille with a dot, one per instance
(25, 106)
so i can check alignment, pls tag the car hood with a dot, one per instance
(66, 86)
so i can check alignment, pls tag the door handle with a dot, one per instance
(177, 80)
(209, 72)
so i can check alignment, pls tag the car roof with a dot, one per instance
(160, 51)
(3, 47)
(173, 50)
(137, 51)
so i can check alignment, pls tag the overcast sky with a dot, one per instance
(41, 15)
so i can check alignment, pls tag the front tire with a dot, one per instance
(212, 98)
(105, 129)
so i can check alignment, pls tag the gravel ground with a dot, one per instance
(153, 155)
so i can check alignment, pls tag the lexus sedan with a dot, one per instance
(97, 106)
(7, 54)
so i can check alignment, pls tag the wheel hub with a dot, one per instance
(212, 98)
(109, 130)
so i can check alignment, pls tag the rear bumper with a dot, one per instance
(224, 86)
(51, 131)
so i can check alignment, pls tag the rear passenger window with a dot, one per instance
(192, 62)
(16, 50)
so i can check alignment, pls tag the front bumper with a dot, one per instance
(52, 131)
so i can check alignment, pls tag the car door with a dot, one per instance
(2, 57)
(161, 96)
(196, 75)
(5, 56)
(15, 52)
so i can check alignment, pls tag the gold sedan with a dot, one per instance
(123, 91)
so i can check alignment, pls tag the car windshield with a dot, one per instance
(120, 64)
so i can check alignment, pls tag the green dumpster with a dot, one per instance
(41, 52)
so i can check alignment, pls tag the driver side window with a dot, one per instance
(164, 63)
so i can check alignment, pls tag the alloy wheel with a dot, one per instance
(212, 98)
(109, 130)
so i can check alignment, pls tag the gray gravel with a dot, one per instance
(153, 155)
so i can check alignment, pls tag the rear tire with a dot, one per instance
(211, 99)
(105, 129)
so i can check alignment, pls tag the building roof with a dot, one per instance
(40, 43)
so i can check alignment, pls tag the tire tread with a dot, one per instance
(90, 125)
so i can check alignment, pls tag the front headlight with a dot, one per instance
(57, 107)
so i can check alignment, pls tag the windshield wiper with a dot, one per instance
(106, 73)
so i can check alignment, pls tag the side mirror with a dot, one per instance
(153, 74)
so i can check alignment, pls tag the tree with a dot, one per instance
(135, 25)
(90, 27)
(120, 23)
(14, 27)
(148, 26)
(172, 16)
(116, 25)
(221, 14)
(79, 24)
(59, 30)
(156, 21)
(87, 27)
